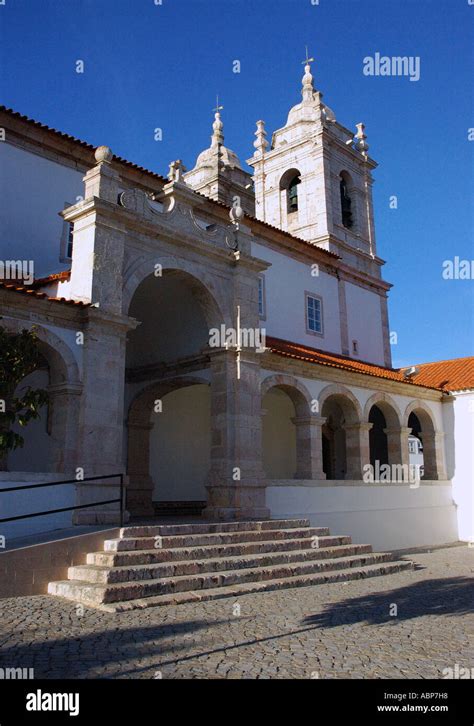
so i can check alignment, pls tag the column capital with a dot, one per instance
(309, 420)
(361, 426)
(397, 430)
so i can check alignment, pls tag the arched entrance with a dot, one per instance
(290, 449)
(50, 442)
(341, 444)
(419, 419)
(167, 362)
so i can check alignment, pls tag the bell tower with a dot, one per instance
(315, 180)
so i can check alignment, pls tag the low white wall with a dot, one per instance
(31, 500)
(463, 478)
(385, 516)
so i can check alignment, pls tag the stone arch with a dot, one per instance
(63, 364)
(386, 439)
(209, 292)
(296, 391)
(289, 182)
(303, 446)
(65, 388)
(387, 405)
(346, 399)
(343, 434)
(347, 199)
(431, 438)
(140, 484)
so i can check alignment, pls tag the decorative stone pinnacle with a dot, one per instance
(361, 143)
(103, 155)
(260, 142)
(176, 171)
(308, 88)
(217, 127)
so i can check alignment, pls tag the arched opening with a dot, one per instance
(378, 441)
(346, 200)
(334, 440)
(50, 441)
(289, 183)
(169, 422)
(427, 451)
(278, 435)
(415, 445)
(340, 434)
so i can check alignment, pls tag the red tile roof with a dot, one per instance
(53, 277)
(332, 360)
(456, 374)
(10, 287)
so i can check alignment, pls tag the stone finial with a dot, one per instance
(260, 142)
(103, 155)
(236, 213)
(308, 88)
(217, 130)
(360, 139)
(176, 172)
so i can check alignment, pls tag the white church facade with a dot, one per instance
(222, 338)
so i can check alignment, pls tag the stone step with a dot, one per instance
(147, 530)
(241, 549)
(191, 540)
(82, 591)
(103, 574)
(108, 593)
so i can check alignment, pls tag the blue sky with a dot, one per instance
(149, 66)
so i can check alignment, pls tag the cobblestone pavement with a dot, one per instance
(409, 625)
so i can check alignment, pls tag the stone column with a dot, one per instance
(357, 449)
(433, 455)
(64, 409)
(309, 447)
(100, 441)
(236, 483)
(397, 442)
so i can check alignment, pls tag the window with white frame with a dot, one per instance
(314, 314)
(261, 297)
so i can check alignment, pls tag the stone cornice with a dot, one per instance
(313, 371)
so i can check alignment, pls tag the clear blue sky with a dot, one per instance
(150, 66)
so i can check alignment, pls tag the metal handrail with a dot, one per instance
(69, 509)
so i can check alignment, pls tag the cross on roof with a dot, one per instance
(308, 59)
(217, 108)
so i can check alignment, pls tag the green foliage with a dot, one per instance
(19, 356)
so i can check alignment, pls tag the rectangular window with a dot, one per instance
(314, 314)
(261, 297)
(69, 240)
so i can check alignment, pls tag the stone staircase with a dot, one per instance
(153, 565)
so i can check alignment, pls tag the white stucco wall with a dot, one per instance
(286, 282)
(29, 501)
(364, 323)
(387, 517)
(180, 445)
(463, 458)
(33, 190)
(278, 435)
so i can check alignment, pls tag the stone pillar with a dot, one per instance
(64, 409)
(397, 443)
(309, 447)
(100, 441)
(357, 449)
(140, 485)
(236, 483)
(433, 455)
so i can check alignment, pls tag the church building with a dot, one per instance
(221, 337)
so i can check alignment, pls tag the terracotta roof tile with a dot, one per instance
(53, 277)
(456, 374)
(323, 358)
(10, 287)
